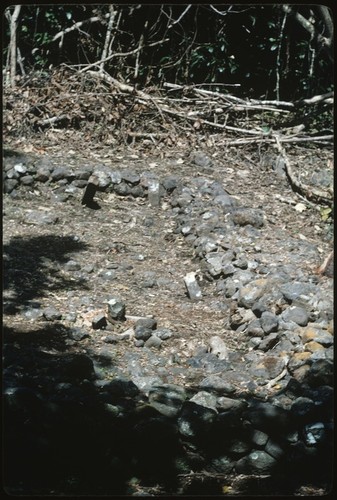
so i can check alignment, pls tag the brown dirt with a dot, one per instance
(131, 236)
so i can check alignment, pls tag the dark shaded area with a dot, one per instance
(65, 434)
(68, 431)
(31, 266)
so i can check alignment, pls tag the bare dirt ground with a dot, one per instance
(130, 238)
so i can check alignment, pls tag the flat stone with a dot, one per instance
(51, 313)
(296, 314)
(245, 216)
(59, 173)
(167, 398)
(257, 462)
(323, 337)
(130, 176)
(252, 292)
(41, 218)
(153, 341)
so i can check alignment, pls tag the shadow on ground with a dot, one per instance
(33, 265)
(64, 434)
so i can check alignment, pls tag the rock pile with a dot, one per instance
(267, 411)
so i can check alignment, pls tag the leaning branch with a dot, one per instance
(312, 194)
(77, 25)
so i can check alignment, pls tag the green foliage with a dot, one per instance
(326, 213)
(250, 45)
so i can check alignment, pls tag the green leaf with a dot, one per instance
(325, 213)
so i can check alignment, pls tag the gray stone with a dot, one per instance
(257, 462)
(10, 185)
(20, 168)
(218, 347)
(163, 333)
(33, 313)
(244, 216)
(59, 173)
(144, 329)
(297, 290)
(269, 322)
(100, 179)
(119, 386)
(296, 314)
(251, 292)
(201, 159)
(78, 334)
(51, 313)
(84, 173)
(194, 419)
(320, 373)
(267, 368)
(274, 449)
(27, 180)
(116, 177)
(72, 265)
(167, 398)
(302, 406)
(130, 176)
(217, 384)
(206, 399)
(154, 193)
(192, 286)
(153, 341)
(259, 438)
(40, 218)
(108, 275)
(222, 464)
(138, 343)
(228, 404)
(269, 342)
(254, 329)
(314, 433)
(170, 183)
(12, 174)
(225, 201)
(146, 383)
(99, 322)
(267, 417)
(116, 309)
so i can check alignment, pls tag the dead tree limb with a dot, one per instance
(76, 26)
(312, 194)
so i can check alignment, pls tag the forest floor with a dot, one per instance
(129, 235)
(133, 239)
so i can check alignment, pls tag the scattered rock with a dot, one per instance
(192, 286)
(51, 313)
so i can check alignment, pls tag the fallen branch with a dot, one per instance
(328, 98)
(238, 142)
(312, 194)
